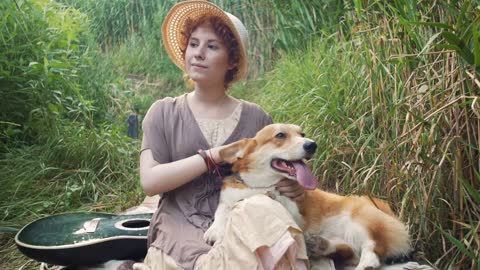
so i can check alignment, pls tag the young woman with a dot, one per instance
(209, 45)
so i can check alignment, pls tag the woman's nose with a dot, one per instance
(199, 53)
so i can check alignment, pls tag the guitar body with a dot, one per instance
(85, 238)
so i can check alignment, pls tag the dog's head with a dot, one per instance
(277, 151)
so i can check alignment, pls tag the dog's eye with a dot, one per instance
(302, 134)
(281, 135)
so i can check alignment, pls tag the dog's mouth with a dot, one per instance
(296, 169)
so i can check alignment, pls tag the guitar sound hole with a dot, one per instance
(136, 223)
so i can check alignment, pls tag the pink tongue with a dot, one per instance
(304, 175)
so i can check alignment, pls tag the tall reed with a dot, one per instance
(113, 22)
(395, 112)
(60, 147)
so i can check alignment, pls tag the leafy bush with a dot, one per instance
(43, 56)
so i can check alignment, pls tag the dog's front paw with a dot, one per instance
(213, 234)
(371, 263)
(317, 246)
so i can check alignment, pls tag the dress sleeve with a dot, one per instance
(257, 118)
(153, 126)
(267, 120)
(264, 118)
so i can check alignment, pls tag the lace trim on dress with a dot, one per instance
(217, 131)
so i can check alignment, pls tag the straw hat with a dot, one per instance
(175, 21)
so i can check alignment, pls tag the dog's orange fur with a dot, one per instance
(247, 146)
(229, 182)
(319, 205)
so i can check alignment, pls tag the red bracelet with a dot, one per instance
(203, 154)
(209, 161)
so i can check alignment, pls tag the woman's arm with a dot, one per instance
(159, 178)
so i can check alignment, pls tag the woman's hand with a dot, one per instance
(291, 189)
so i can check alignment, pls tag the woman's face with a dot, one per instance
(206, 56)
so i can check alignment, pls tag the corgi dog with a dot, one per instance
(359, 231)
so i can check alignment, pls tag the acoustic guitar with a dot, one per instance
(84, 238)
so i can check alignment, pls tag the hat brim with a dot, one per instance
(175, 21)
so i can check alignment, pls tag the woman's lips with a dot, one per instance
(198, 65)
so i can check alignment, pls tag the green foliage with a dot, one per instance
(386, 88)
(112, 22)
(80, 166)
(44, 58)
(275, 26)
(143, 54)
(394, 114)
(464, 36)
(461, 35)
(62, 142)
(80, 170)
(300, 90)
(130, 31)
(130, 36)
(298, 21)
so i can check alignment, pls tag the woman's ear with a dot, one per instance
(232, 66)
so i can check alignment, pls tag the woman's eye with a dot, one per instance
(214, 47)
(192, 44)
(281, 135)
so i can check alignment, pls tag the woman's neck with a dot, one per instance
(211, 103)
(209, 96)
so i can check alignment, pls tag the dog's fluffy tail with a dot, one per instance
(396, 234)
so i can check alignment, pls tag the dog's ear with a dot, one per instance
(234, 151)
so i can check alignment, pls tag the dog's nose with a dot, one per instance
(310, 147)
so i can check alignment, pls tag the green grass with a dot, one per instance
(62, 123)
(80, 170)
(393, 117)
(388, 89)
